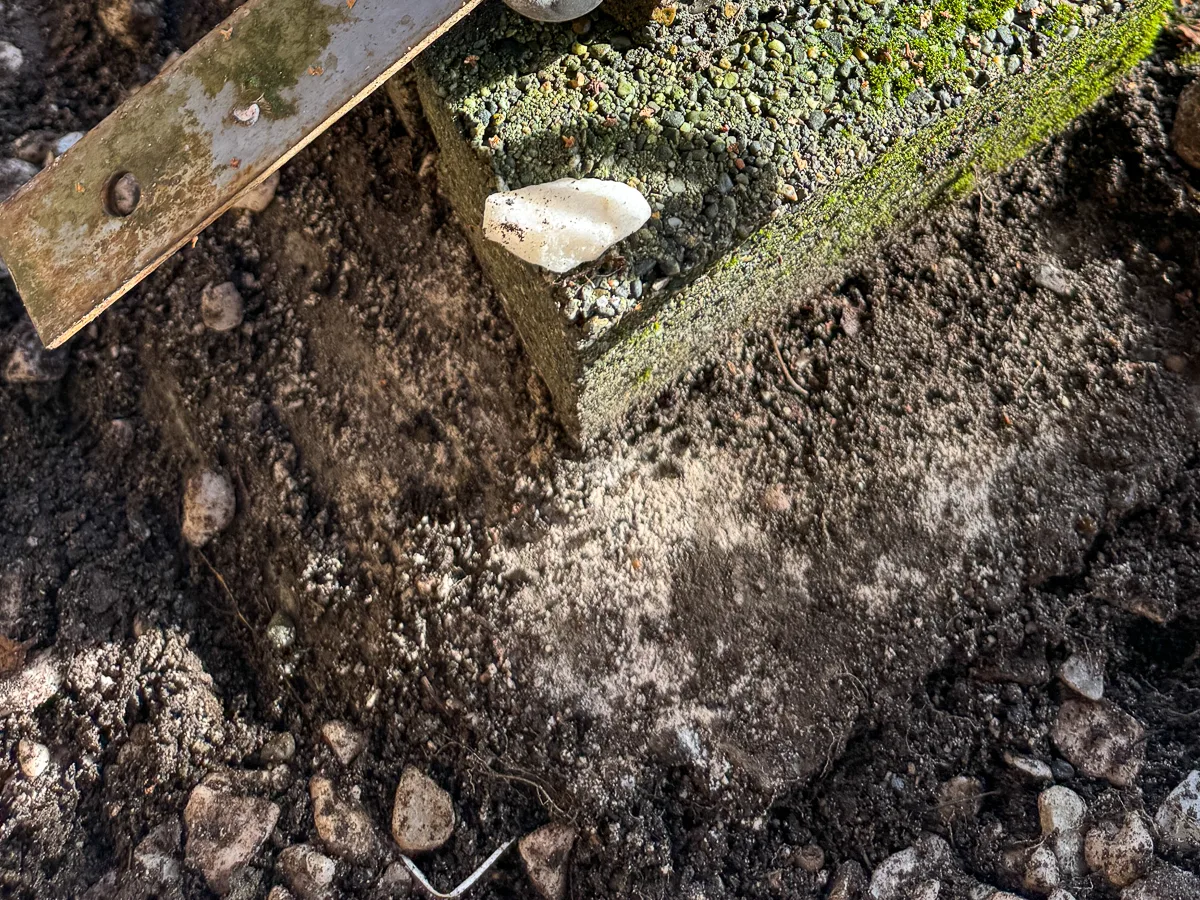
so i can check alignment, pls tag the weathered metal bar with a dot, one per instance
(173, 157)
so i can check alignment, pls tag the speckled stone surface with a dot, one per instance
(772, 139)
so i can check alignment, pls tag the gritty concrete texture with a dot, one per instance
(771, 142)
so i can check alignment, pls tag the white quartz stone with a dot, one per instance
(563, 223)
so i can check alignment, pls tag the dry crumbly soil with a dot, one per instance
(781, 608)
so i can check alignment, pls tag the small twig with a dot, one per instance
(786, 372)
(228, 593)
(462, 888)
(543, 794)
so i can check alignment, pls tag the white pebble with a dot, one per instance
(423, 816)
(33, 758)
(11, 58)
(1084, 674)
(564, 223)
(221, 306)
(1122, 854)
(1178, 818)
(208, 507)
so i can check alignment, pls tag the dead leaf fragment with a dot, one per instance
(12, 656)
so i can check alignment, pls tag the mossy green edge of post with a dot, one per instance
(594, 383)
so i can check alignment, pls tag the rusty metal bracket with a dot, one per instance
(217, 121)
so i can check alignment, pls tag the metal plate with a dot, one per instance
(215, 122)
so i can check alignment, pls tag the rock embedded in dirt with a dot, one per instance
(307, 871)
(11, 58)
(208, 507)
(259, 197)
(810, 858)
(775, 499)
(1053, 277)
(849, 881)
(1122, 855)
(222, 307)
(1100, 740)
(24, 691)
(1061, 812)
(1041, 871)
(278, 748)
(394, 882)
(1061, 894)
(345, 741)
(1178, 816)
(1185, 137)
(281, 631)
(32, 363)
(131, 22)
(423, 815)
(563, 223)
(545, 854)
(913, 872)
(14, 173)
(32, 758)
(1036, 769)
(224, 831)
(343, 825)
(1084, 674)
(157, 856)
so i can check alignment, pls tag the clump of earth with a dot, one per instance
(304, 593)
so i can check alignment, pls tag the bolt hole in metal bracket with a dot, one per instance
(214, 123)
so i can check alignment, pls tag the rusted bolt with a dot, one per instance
(124, 195)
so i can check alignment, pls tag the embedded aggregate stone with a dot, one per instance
(224, 831)
(1178, 817)
(769, 139)
(423, 814)
(221, 306)
(209, 504)
(1101, 740)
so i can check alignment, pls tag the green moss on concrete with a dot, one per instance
(825, 175)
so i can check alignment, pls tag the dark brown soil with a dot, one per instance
(753, 621)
